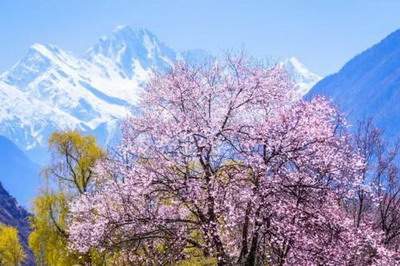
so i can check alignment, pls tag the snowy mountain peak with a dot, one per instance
(37, 60)
(130, 37)
(46, 50)
(295, 63)
(129, 32)
(50, 89)
(131, 50)
(124, 38)
(302, 77)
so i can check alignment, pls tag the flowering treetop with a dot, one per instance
(222, 163)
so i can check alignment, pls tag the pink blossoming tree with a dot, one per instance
(223, 163)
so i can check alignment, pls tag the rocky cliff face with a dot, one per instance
(14, 215)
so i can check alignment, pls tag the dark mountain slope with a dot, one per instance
(14, 215)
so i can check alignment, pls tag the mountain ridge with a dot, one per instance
(368, 85)
(53, 90)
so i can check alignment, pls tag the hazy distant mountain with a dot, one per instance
(197, 56)
(369, 85)
(18, 174)
(50, 89)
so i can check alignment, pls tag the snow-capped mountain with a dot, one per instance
(51, 89)
(369, 86)
(302, 77)
(131, 53)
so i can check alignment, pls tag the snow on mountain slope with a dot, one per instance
(25, 119)
(302, 77)
(50, 89)
(132, 53)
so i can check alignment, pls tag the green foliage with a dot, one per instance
(48, 239)
(198, 261)
(195, 255)
(73, 157)
(11, 251)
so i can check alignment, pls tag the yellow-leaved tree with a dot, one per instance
(69, 175)
(48, 239)
(11, 250)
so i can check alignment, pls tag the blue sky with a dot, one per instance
(322, 34)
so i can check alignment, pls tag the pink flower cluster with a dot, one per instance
(223, 162)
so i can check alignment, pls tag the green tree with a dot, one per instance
(11, 250)
(48, 239)
(73, 159)
(69, 174)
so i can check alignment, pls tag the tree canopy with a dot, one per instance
(11, 250)
(224, 165)
(69, 174)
